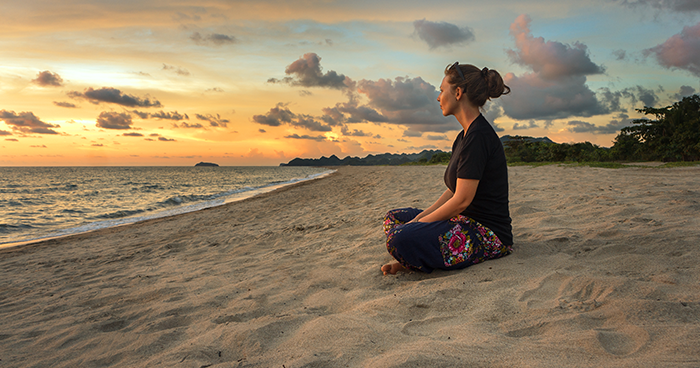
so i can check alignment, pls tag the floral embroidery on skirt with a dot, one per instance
(456, 243)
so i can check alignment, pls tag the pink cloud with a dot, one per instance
(681, 51)
(550, 59)
(556, 87)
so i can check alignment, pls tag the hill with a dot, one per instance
(381, 159)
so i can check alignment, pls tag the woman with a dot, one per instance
(470, 222)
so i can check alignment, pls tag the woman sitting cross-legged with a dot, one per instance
(470, 222)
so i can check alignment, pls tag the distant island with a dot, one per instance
(209, 164)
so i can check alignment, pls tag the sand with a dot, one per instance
(605, 272)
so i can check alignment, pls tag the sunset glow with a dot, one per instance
(262, 82)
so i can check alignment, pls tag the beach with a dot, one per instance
(605, 272)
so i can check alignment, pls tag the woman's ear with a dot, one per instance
(458, 93)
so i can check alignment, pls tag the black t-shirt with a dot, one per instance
(479, 155)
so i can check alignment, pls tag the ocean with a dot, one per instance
(46, 202)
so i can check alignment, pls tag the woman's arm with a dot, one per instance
(440, 201)
(455, 204)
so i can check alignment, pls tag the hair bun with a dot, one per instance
(480, 85)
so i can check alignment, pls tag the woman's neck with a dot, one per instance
(466, 115)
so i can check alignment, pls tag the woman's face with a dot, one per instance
(446, 98)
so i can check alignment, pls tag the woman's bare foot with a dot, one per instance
(392, 268)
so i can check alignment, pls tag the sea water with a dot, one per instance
(44, 202)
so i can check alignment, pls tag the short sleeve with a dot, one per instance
(473, 157)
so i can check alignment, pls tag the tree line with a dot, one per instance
(673, 135)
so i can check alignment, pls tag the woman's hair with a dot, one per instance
(479, 85)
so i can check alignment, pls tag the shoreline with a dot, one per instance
(129, 220)
(604, 273)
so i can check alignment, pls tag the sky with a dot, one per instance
(173, 83)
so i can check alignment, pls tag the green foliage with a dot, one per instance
(673, 136)
(523, 149)
(439, 158)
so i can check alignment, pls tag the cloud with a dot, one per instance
(163, 139)
(65, 104)
(619, 54)
(413, 134)
(189, 126)
(685, 91)
(180, 16)
(262, 130)
(26, 122)
(359, 114)
(421, 148)
(317, 138)
(556, 87)
(48, 79)
(551, 59)
(115, 96)
(530, 124)
(406, 101)
(215, 121)
(622, 120)
(647, 96)
(681, 6)
(276, 116)
(308, 122)
(306, 72)
(173, 115)
(281, 114)
(534, 98)
(140, 114)
(493, 110)
(439, 34)
(216, 39)
(132, 134)
(436, 137)
(5, 132)
(681, 51)
(114, 120)
(215, 89)
(354, 133)
(402, 101)
(611, 99)
(176, 69)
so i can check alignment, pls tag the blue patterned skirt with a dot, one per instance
(452, 244)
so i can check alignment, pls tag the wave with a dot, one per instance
(128, 206)
(7, 228)
(120, 214)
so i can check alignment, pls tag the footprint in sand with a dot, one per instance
(577, 296)
(581, 294)
(622, 340)
(616, 343)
